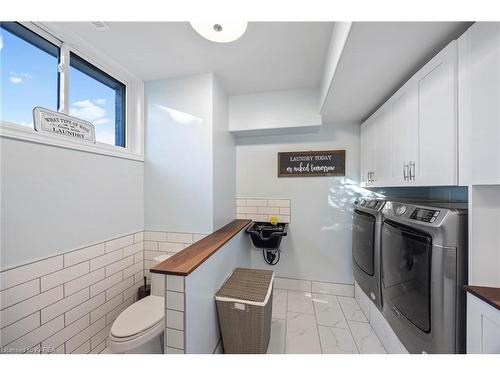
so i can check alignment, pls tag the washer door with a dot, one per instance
(363, 241)
(406, 272)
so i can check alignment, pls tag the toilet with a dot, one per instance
(139, 328)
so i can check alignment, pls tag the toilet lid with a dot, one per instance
(139, 317)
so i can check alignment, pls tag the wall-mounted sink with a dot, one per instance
(266, 235)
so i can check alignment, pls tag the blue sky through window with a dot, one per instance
(95, 102)
(29, 78)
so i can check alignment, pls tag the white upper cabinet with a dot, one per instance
(367, 157)
(404, 108)
(383, 148)
(415, 140)
(437, 161)
(479, 111)
(364, 155)
(376, 149)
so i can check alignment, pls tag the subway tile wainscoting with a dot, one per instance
(67, 303)
(260, 209)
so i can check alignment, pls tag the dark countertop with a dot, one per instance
(187, 260)
(488, 294)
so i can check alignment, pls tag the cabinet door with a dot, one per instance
(483, 327)
(367, 152)
(484, 101)
(382, 128)
(405, 133)
(363, 154)
(437, 120)
(370, 151)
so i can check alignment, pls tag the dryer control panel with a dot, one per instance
(422, 214)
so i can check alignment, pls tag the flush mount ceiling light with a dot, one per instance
(223, 32)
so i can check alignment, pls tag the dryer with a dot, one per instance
(367, 224)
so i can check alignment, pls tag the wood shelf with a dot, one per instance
(187, 260)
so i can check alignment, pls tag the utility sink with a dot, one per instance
(266, 235)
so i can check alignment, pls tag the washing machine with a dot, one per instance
(424, 266)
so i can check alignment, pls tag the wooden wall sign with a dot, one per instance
(311, 163)
(61, 125)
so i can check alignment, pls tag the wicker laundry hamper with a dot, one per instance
(244, 305)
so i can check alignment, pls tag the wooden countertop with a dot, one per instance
(187, 260)
(488, 294)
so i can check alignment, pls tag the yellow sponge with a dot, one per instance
(273, 220)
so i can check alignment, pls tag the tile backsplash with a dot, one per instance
(449, 194)
(260, 209)
(67, 303)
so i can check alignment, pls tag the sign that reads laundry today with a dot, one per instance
(311, 163)
(59, 124)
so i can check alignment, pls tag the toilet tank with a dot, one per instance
(158, 279)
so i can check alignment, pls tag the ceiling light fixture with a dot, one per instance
(220, 32)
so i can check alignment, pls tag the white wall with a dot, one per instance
(484, 236)
(224, 161)
(318, 246)
(274, 110)
(55, 199)
(178, 188)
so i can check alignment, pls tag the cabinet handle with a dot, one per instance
(405, 171)
(412, 168)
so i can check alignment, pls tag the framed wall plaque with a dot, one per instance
(311, 163)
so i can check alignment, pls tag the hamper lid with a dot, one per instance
(252, 286)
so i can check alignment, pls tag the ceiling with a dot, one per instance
(378, 58)
(269, 56)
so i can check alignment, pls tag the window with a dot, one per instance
(29, 77)
(99, 98)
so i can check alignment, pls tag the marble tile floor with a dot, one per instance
(311, 323)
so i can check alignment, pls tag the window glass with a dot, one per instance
(99, 98)
(29, 77)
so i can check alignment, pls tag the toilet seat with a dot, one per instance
(137, 324)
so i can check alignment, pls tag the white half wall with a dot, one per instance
(178, 178)
(318, 245)
(201, 321)
(55, 199)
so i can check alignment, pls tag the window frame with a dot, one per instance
(134, 98)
